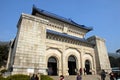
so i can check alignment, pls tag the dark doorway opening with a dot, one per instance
(72, 65)
(87, 67)
(52, 66)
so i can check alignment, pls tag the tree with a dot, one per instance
(118, 51)
(113, 61)
(118, 61)
(3, 54)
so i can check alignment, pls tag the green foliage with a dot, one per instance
(2, 78)
(23, 77)
(18, 77)
(118, 61)
(4, 70)
(118, 51)
(45, 77)
(3, 54)
(113, 61)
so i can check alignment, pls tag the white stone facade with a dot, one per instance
(37, 49)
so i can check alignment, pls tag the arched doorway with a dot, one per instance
(52, 66)
(87, 66)
(72, 65)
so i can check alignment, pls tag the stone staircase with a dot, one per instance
(84, 77)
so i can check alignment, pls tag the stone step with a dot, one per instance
(84, 77)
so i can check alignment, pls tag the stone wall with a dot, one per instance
(29, 54)
(101, 55)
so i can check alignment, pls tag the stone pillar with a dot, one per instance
(64, 63)
(101, 55)
(30, 46)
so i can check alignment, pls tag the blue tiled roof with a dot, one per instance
(46, 13)
(68, 36)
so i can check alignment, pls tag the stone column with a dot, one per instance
(63, 60)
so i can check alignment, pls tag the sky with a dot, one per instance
(102, 15)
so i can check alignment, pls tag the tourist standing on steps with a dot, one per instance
(84, 71)
(33, 77)
(61, 77)
(79, 77)
(36, 77)
(103, 75)
(112, 76)
(80, 71)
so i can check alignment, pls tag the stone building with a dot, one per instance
(50, 44)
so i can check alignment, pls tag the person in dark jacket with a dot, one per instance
(61, 77)
(33, 77)
(79, 77)
(112, 76)
(103, 75)
(36, 77)
(80, 71)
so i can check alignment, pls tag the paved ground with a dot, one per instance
(84, 77)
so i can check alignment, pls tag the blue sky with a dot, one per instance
(102, 15)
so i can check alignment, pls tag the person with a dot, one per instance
(78, 77)
(111, 76)
(33, 77)
(61, 77)
(80, 71)
(116, 75)
(76, 70)
(103, 75)
(50, 71)
(84, 71)
(36, 77)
